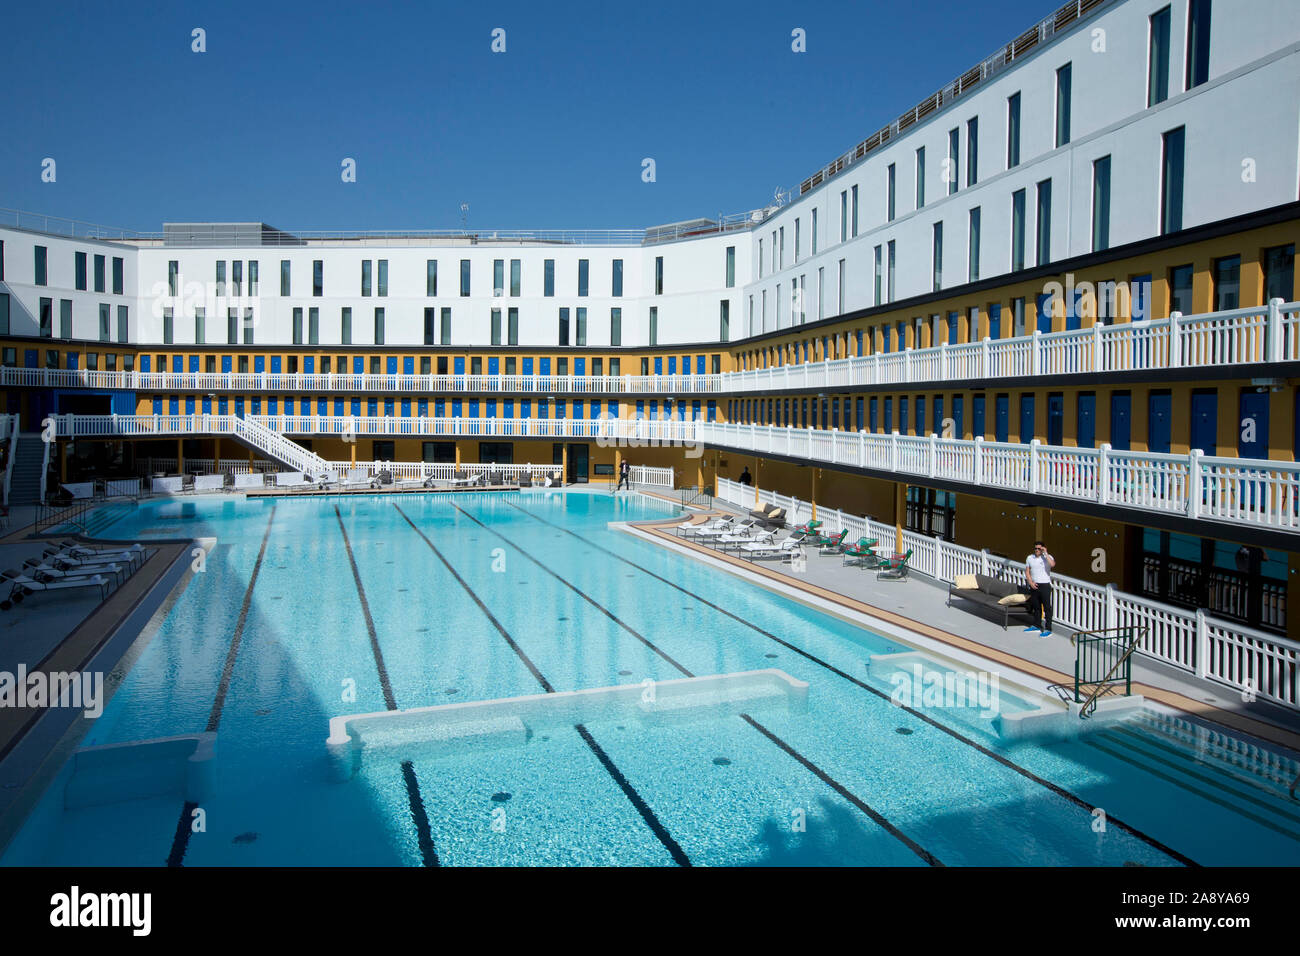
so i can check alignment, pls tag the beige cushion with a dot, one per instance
(1014, 599)
(965, 582)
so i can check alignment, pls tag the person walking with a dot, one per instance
(745, 477)
(624, 476)
(1038, 573)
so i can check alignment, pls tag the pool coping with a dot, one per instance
(819, 597)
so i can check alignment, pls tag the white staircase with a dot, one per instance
(275, 446)
(28, 460)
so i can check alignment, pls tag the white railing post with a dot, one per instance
(977, 467)
(1276, 350)
(1202, 645)
(1096, 346)
(862, 447)
(907, 365)
(893, 451)
(1103, 472)
(932, 454)
(834, 432)
(984, 560)
(1033, 466)
(1112, 609)
(1175, 340)
(943, 362)
(984, 357)
(1195, 481)
(1033, 351)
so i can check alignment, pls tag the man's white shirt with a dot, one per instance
(1039, 570)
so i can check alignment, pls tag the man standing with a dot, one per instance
(624, 475)
(1038, 572)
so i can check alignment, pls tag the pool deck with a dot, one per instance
(919, 604)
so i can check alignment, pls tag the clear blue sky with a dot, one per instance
(550, 134)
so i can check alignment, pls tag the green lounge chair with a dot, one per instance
(863, 552)
(894, 567)
(833, 544)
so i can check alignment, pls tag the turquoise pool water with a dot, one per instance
(421, 600)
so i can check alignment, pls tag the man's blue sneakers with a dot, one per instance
(1031, 628)
(1044, 633)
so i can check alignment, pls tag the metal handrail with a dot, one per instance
(1080, 639)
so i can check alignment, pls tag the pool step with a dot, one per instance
(165, 766)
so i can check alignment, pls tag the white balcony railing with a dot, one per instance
(1249, 336)
(1231, 654)
(1256, 492)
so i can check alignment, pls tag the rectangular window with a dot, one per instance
(237, 277)
(1279, 273)
(798, 238)
(973, 247)
(879, 274)
(313, 326)
(1017, 317)
(616, 278)
(173, 274)
(379, 326)
(724, 320)
(1171, 181)
(972, 150)
(1101, 204)
(232, 326)
(1198, 43)
(731, 266)
(123, 324)
(365, 277)
(464, 277)
(1180, 289)
(444, 320)
(890, 177)
(516, 277)
(548, 278)
(42, 266)
(582, 326)
(117, 275)
(781, 246)
(431, 277)
(563, 338)
(952, 173)
(1013, 131)
(65, 318)
(496, 326)
(168, 330)
(920, 176)
(654, 325)
(200, 325)
(821, 292)
(430, 318)
(1017, 230)
(318, 277)
(1063, 83)
(512, 326)
(79, 271)
(584, 269)
(840, 305)
(252, 277)
(284, 277)
(1227, 283)
(616, 326)
(100, 282)
(659, 275)
(844, 214)
(855, 214)
(760, 258)
(346, 324)
(1158, 57)
(1043, 226)
(889, 273)
(383, 277)
(221, 278)
(936, 251)
(498, 277)
(814, 231)
(297, 326)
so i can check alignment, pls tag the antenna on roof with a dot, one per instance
(464, 216)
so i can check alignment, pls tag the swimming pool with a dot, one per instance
(313, 608)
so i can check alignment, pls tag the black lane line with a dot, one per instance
(414, 799)
(808, 764)
(184, 826)
(647, 814)
(389, 700)
(1011, 765)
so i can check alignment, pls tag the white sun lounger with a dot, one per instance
(291, 479)
(746, 537)
(21, 586)
(90, 560)
(47, 571)
(254, 480)
(772, 549)
(729, 529)
(357, 478)
(209, 482)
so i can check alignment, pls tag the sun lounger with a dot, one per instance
(833, 544)
(291, 479)
(20, 585)
(254, 480)
(894, 567)
(70, 551)
(786, 547)
(209, 482)
(731, 528)
(169, 485)
(863, 552)
(357, 477)
(51, 571)
(727, 541)
(810, 527)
